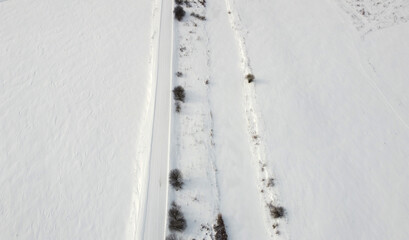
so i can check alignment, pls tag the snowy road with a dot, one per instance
(155, 216)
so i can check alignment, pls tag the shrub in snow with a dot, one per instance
(250, 77)
(203, 2)
(178, 107)
(179, 93)
(176, 179)
(177, 221)
(179, 2)
(179, 13)
(276, 211)
(220, 229)
(203, 18)
(172, 236)
(270, 182)
(179, 74)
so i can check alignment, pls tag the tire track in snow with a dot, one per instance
(154, 220)
(269, 195)
(388, 103)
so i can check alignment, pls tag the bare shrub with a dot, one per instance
(203, 18)
(177, 221)
(179, 13)
(187, 3)
(178, 107)
(220, 229)
(270, 182)
(179, 94)
(250, 78)
(276, 211)
(176, 179)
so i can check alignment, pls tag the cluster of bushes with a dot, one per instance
(177, 221)
(180, 12)
(220, 228)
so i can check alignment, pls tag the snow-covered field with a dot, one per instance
(84, 121)
(335, 109)
(74, 80)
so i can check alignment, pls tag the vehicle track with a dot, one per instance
(154, 224)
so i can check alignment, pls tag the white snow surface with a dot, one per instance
(335, 109)
(73, 88)
(327, 117)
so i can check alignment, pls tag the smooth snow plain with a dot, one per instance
(74, 77)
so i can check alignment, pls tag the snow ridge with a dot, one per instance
(269, 194)
(138, 210)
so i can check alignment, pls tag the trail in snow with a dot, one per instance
(156, 201)
(236, 172)
(383, 96)
(266, 180)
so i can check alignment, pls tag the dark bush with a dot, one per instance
(178, 107)
(179, 94)
(177, 221)
(179, 2)
(270, 182)
(179, 74)
(276, 211)
(220, 229)
(250, 77)
(176, 179)
(179, 13)
(203, 18)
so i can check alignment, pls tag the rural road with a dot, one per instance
(156, 204)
